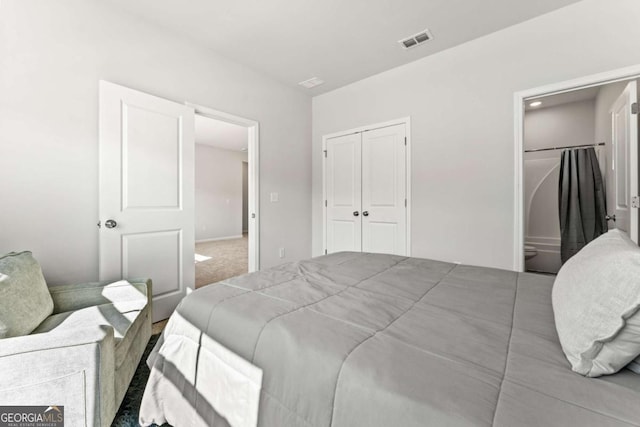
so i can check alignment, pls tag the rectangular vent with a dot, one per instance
(409, 43)
(312, 82)
(416, 39)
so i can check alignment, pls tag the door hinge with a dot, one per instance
(325, 203)
(405, 140)
(405, 203)
(634, 108)
(635, 202)
(325, 251)
(325, 153)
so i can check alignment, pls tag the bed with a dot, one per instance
(357, 339)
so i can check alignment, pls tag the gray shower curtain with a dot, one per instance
(581, 201)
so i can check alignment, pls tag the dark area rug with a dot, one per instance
(127, 415)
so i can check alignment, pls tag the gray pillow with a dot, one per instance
(596, 297)
(25, 300)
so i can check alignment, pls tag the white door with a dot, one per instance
(384, 191)
(625, 160)
(344, 196)
(384, 213)
(366, 191)
(147, 193)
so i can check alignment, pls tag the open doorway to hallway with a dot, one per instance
(221, 200)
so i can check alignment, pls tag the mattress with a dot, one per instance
(357, 339)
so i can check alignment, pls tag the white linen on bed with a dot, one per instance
(199, 375)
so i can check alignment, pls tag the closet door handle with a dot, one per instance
(356, 213)
(365, 213)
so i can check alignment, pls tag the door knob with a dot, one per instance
(110, 223)
(365, 213)
(611, 217)
(356, 213)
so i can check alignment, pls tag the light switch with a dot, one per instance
(274, 197)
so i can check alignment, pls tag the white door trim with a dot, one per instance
(253, 156)
(404, 120)
(519, 98)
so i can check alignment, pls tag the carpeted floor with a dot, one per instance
(127, 415)
(228, 259)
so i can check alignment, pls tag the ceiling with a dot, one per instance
(587, 94)
(338, 41)
(216, 133)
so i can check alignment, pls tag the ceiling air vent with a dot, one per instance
(416, 39)
(312, 82)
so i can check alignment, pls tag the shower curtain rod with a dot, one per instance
(564, 148)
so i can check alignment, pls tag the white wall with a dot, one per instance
(561, 125)
(558, 126)
(52, 54)
(461, 107)
(218, 195)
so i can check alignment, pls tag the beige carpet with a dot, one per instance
(228, 259)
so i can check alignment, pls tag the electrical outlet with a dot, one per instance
(281, 252)
(274, 197)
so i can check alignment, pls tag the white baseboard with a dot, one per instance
(239, 236)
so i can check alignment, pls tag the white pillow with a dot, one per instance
(596, 298)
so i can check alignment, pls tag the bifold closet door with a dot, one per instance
(384, 184)
(344, 195)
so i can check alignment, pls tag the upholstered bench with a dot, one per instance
(72, 345)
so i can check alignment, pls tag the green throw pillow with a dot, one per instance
(25, 300)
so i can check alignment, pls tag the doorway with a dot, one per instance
(225, 216)
(146, 188)
(572, 117)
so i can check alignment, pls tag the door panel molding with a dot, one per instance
(134, 243)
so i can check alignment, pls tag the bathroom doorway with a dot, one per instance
(573, 121)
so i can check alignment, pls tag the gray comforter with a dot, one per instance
(353, 339)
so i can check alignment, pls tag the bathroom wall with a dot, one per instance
(568, 124)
